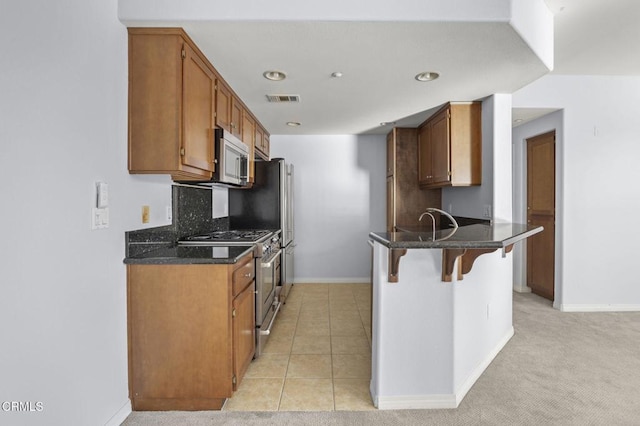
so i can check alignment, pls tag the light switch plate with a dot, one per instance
(99, 218)
(102, 195)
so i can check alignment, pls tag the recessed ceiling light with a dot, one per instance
(293, 123)
(388, 123)
(427, 76)
(274, 75)
(336, 74)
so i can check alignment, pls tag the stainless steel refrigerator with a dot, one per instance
(268, 205)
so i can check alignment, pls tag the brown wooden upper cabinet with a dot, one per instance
(228, 109)
(405, 199)
(176, 100)
(237, 117)
(450, 146)
(248, 137)
(266, 144)
(223, 105)
(171, 105)
(262, 147)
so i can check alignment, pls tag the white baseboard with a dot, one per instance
(420, 402)
(521, 288)
(358, 280)
(434, 401)
(599, 308)
(475, 374)
(121, 415)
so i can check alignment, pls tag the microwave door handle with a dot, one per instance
(246, 168)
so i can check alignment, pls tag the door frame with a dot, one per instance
(548, 123)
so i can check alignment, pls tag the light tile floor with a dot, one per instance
(318, 357)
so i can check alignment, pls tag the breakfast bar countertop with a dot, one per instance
(493, 235)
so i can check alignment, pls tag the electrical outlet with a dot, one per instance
(169, 213)
(487, 210)
(145, 214)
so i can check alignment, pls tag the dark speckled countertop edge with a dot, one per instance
(417, 240)
(160, 257)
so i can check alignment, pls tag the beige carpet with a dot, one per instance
(558, 369)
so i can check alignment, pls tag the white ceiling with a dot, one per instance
(592, 37)
(380, 59)
(596, 37)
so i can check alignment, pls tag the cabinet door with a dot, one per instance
(260, 145)
(390, 153)
(236, 117)
(425, 173)
(198, 113)
(258, 138)
(248, 137)
(244, 329)
(155, 94)
(179, 325)
(267, 145)
(223, 106)
(440, 148)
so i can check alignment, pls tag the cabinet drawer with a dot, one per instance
(243, 275)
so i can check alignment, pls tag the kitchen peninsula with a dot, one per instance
(442, 310)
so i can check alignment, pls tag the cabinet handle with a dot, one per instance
(247, 275)
(233, 126)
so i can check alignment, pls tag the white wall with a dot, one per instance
(545, 124)
(63, 109)
(340, 196)
(599, 185)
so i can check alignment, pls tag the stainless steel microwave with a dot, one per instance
(232, 158)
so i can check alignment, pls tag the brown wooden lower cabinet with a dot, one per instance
(191, 334)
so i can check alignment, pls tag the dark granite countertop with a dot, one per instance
(186, 255)
(496, 235)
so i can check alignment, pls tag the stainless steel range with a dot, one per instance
(267, 266)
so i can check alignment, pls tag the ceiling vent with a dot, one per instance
(283, 98)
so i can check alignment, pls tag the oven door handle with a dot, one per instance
(271, 260)
(273, 318)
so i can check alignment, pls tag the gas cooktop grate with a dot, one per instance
(233, 235)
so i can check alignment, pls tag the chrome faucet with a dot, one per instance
(433, 219)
